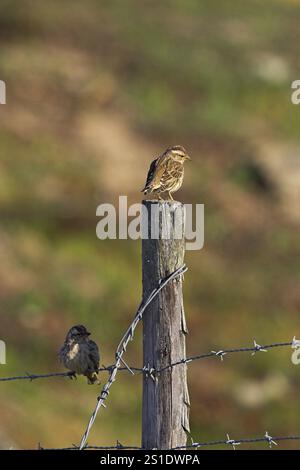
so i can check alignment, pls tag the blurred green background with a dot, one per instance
(95, 90)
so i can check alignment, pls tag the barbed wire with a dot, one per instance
(236, 442)
(117, 446)
(223, 352)
(70, 375)
(117, 366)
(270, 440)
(121, 349)
(220, 353)
(31, 377)
(151, 371)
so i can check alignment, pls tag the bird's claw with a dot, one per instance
(72, 375)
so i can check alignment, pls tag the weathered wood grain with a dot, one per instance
(165, 400)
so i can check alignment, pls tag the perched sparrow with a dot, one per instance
(80, 354)
(166, 172)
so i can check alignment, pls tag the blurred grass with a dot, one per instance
(210, 75)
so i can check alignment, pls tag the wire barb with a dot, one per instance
(220, 354)
(270, 440)
(257, 348)
(149, 372)
(295, 343)
(232, 442)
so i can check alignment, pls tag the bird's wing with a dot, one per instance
(155, 173)
(94, 354)
(150, 175)
(160, 168)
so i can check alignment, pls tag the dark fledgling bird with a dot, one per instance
(166, 172)
(80, 354)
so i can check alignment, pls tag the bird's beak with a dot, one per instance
(187, 157)
(88, 333)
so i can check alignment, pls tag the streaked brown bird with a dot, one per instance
(166, 172)
(80, 354)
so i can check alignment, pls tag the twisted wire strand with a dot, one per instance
(235, 442)
(223, 352)
(220, 353)
(70, 375)
(271, 441)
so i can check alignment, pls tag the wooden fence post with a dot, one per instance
(165, 415)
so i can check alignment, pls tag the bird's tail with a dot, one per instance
(93, 378)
